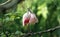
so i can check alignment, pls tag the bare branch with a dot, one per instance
(41, 32)
(10, 3)
(5, 2)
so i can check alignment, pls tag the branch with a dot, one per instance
(10, 3)
(5, 2)
(49, 30)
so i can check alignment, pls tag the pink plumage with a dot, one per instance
(29, 18)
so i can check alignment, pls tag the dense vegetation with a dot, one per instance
(47, 12)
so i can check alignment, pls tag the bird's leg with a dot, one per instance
(29, 28)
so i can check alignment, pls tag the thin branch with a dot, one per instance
(51, 29)
(9, 4)
(5, 2)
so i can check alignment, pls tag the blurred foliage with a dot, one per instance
(47, 12)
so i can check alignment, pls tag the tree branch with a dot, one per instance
(5, 2)
(41, 32)
(9, 4)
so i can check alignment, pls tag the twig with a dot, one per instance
(51, 29)
(6, 2)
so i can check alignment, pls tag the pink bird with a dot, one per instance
(29, 18)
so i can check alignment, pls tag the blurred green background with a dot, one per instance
(47, 12)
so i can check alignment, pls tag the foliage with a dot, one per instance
(47, 12)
